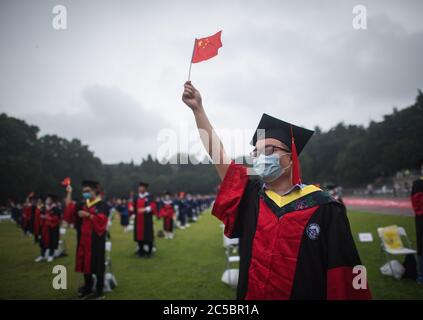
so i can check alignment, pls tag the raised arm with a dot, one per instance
(211, 141)
(68, 198)
(69, 210)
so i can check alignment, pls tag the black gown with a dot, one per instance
(143, 225)
(301, 250)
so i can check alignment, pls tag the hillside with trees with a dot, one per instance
(349, 155)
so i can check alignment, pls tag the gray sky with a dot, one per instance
(115, 76)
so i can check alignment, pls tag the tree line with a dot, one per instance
(348, 155)
(354, 156)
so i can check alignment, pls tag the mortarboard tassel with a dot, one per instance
(296, 179)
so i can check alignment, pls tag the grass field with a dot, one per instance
(188, 267)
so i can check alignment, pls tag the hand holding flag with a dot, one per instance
(191, 97)
(66, 181)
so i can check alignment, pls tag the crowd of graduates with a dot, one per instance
(45, 218)
(295, 240)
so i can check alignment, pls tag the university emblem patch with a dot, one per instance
(313, 231)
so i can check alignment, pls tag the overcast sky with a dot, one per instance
(114, 78)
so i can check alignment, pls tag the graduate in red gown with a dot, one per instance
(90, 219)
(417, 202)
(51, 217)
(295, 240)
(39, 210)
(28, 214)
(143, 209)
(167, 213)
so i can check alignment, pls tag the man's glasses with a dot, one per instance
(267, 151)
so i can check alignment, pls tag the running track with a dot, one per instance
(392, 206)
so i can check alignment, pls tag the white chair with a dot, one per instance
(227, 242)
(108, 246)
(108, 260)
(61, 249)
(232, 257)
(397, 251)
(230, 276)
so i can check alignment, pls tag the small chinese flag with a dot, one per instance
(206, 48)
(66, 181)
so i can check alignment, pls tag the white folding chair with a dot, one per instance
(232, 256)
(397, 251)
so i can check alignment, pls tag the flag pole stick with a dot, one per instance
(192, 56)
(189, 72)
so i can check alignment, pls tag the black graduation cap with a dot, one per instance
(281, 130)
(168, 193)
(294, 137)
(143, 184)
(90, 183)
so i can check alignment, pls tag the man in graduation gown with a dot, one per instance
(295, 239)
(192, 214)
(15, 212)
(183, 209)
(28, 214)
(143, 209)
(167, 212)
(39, 211)
(122, 208)
(90, 219)
(417, 202)
(50, 229)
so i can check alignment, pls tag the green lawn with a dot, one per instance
(188, 267)
(383, 287)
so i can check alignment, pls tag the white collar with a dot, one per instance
(294, 187)
(143, 195)
(51, 206)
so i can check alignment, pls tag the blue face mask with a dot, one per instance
(87, 195)
(268, 167)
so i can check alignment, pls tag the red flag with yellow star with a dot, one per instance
(66, 181)
(206, 48)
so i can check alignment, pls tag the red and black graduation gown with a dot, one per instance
(37, 223)
(167, 212)
(70, 213)
(302, 250)
(91, 242)
(50, 228)
(143, 224)
(28, 218)
(417, 202)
